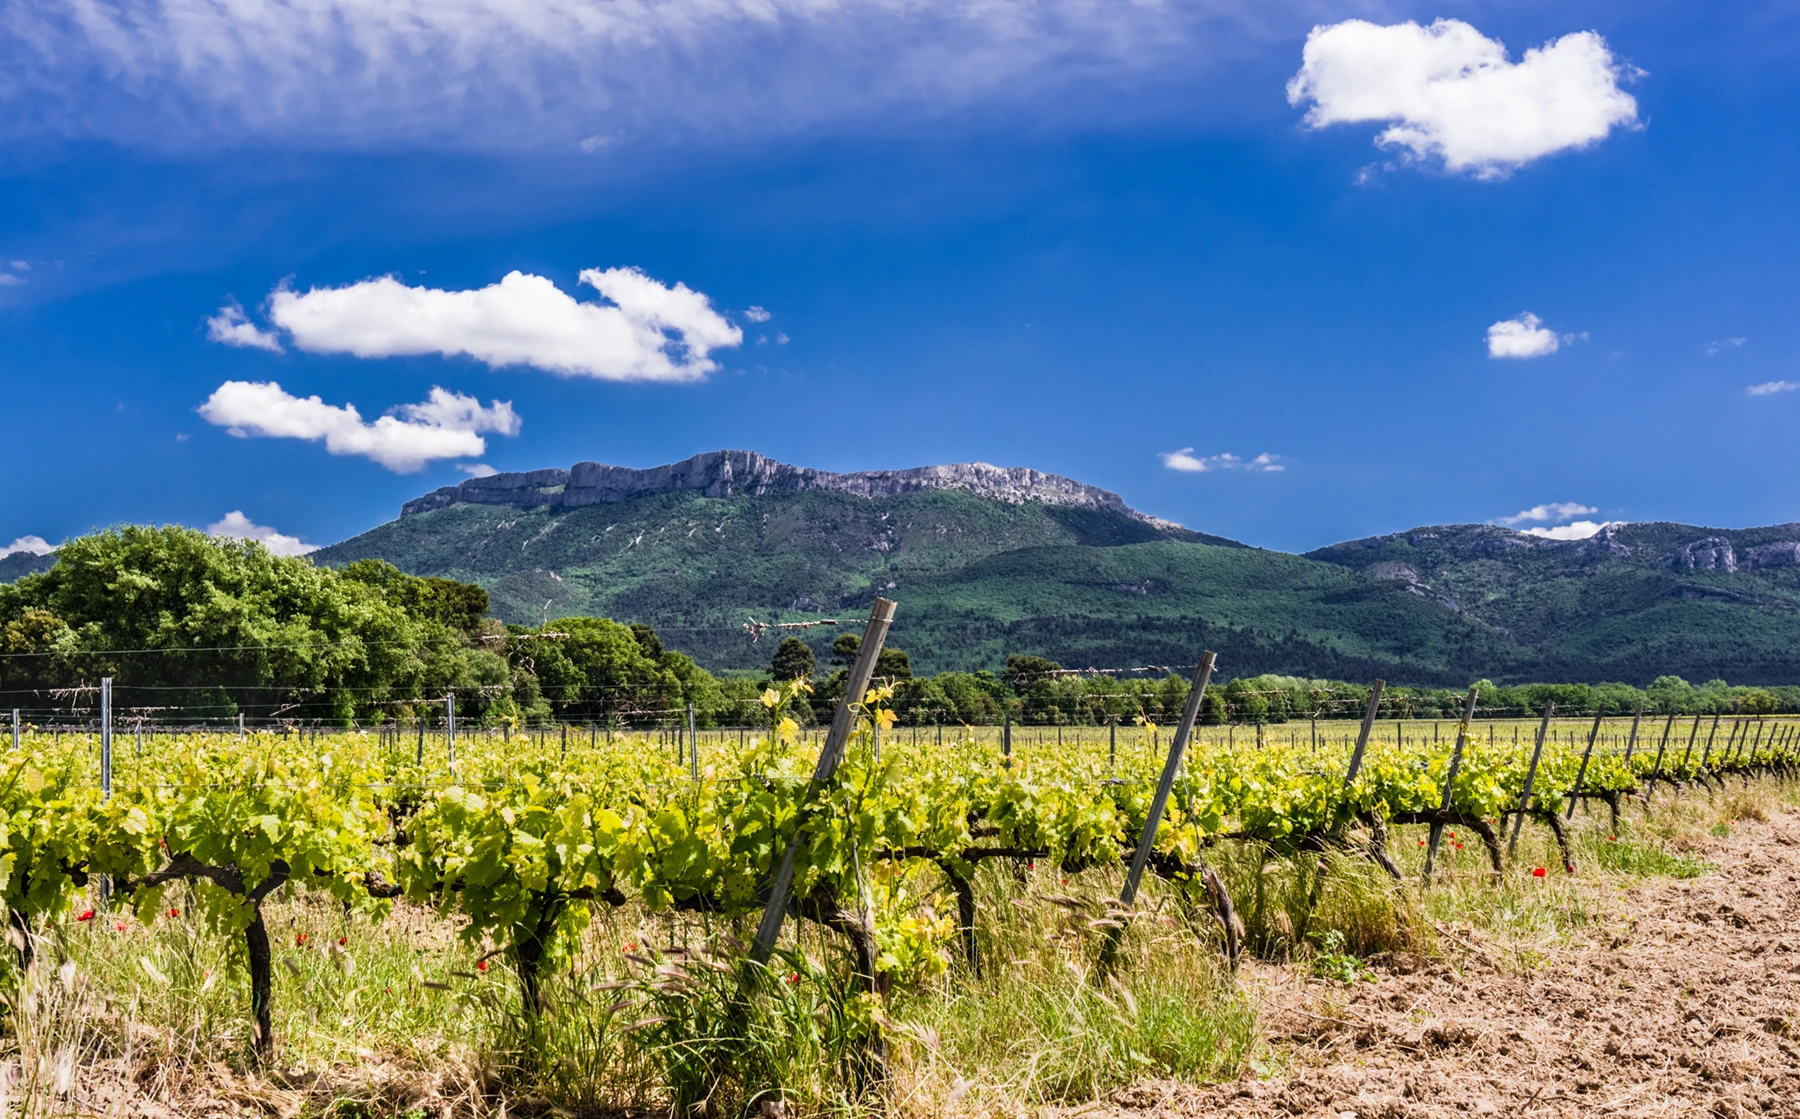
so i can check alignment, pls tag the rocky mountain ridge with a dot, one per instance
(746, 473)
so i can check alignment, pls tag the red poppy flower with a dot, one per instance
(793, 978)
(343, 940)
(120, 927)
(480, 965)
(1452, 835)
(299, 939)
(1421, 843)
(174, 911)
(630, 947)
(1612, 839)
(87, 916)
(1537, 872)
(1459, 846)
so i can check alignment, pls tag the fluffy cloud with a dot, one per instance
(1451, 93)
(1576, 530)
(1526, 336)
(646, 331)
(508, 73)
(29, 545)
(1770, 388)
(236, 524)
(757, 314)
(446, 425)
(1186, 462)
(232, 328)
(477, 469)
(1554, 511)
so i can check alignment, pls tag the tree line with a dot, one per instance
(194, 628)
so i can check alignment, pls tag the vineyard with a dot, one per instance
(699, 894)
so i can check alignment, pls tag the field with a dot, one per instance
(561, 921)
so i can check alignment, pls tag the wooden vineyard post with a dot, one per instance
(1159, 803)
(1112, 739)
(1537, 752)
(1006, 742)
(842, 723)
(1362, 736)
(1631, 743)
(1581, 774)
(1456, 753)
(450, 729)
(693, 745)
(1693, 735)
(1656, 767)
(15, 722)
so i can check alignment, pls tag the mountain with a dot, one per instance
(20, 564)
(987, 561)
(1629, 602)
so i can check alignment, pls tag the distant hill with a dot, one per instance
(20, 564)
(987, 561)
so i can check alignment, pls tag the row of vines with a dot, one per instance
(519, 841)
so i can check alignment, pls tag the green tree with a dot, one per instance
(793, 660)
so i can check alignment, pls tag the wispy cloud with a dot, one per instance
(28, 545)
(477, 469)
(1553, 511)
(446, 425)
(1526, 336)
(571, 72)
(231, 327)
(644, 331)
(757, 314)
(236, 524)
(1770, 388)
(1453, 96)
(1713, 348)
(1187, 462)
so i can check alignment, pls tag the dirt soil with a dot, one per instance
(1685, 1000)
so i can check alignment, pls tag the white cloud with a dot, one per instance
(477, 469)
(1553, 511)
(781, 338)
(29, 545)
(1724, 344)
(757, 314)
(20, 265)
(1526, 336)
(447, 425)
(510, 73)
(236, 524)
(8, 280)
(1769, 388)
(1451, 94)
(645, 332)
(1186, 462)
(1576, 530)
(231, 327)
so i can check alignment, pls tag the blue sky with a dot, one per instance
(1098, 240)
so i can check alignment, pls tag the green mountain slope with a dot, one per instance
(986, 562)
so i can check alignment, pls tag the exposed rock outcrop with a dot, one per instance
(1712, 553)
(729, 473)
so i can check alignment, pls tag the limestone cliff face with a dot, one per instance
(729, 473)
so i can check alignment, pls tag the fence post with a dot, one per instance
(1456, 753)
(1112, 742)
(419, 757)
(450, 727)
(1631, 743)
(1537, 752)
(1158, 804)
(1362, 736)
(15, 728)
(842, 723)
(693, 745)
(240, 724)
(1656, 768)
(1006, 741)
(106, 738)
(1692, 736)
(1581, 774)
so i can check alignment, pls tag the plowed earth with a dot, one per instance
(1684, 1000)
